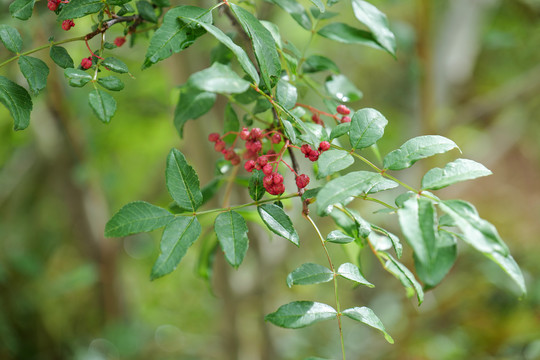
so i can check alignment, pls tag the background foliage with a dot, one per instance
(66, 292)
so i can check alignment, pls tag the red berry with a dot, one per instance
(276, 139)
(313, 156)
(262, 160)
(271, 155)
(345, 119)
(244, 134)
(325, 145)
(302, 181)
(267, 169)
(213, 137)
(220, 145)
(316, 119)
(229, 154)
(256, 134)
(86, 63)
(278, 189)
(235, 160)
(250, 155)
(249, 165)
(343, 110)
(268, 181)
(53, 4)
(67, 24)
(256, 146)
(306, 149)
(278, 178)
(119, 41)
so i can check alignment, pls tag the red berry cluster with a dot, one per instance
(86, 63)
(119, 41)
(221, 146)
(67, 24)
(343, 110)
(53, 4)
(266, 161)
(313, 155)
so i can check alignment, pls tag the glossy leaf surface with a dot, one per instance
(332, 161)
(231, 231)
(137, 217)
(61, 57)
(299, 314)
(17, 100)
(349, 35)
(415, 149)
(308, 274)
(376, 22)
(352, 272)
(455, 171)
(367, 126)
(182, 182)
(177, 237)
(367, 316)
(278, 222)
(342, 89)
(339, 237)
(219, 78)
(78, 8)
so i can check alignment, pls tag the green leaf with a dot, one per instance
(308, 274)
(22, 9)
(363, 228)
(296, 10)
(332, 161)
(231, 124)
(256, 187)
(263, 43)
(482, 236)
(137, 217)
(77, 77)
(17, 100)
(174, 35)
(341, 89)
(274, 30)
(299, 314)
(278, 222)
(337, 237)
(349, 35)
(103, 104)
(432, 274)
(367, 126)
(111, 83)
(11, 38)
(35, 71)
(182, 182)
(231, 231)
(61, 57)
(177, 237)
(219, 78)
(418, 221)
(113, 64)
(79, 8)
(415, 149)
(343, 189)
(286, 94)
(377, 22)
(367, 316)
(352, 272)
(290, 133)
(240, 54)
(453, 172)
(146, 11)
(394, 240)
(319, 4)
(405, 276)
(316, 63)
(340, 130)
(192, 104)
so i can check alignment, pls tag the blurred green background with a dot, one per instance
(468, 70)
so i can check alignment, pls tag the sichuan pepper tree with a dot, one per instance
(265, 80)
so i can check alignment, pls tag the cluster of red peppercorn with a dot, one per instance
(67, 24)
(267, 161)
(341, 109)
